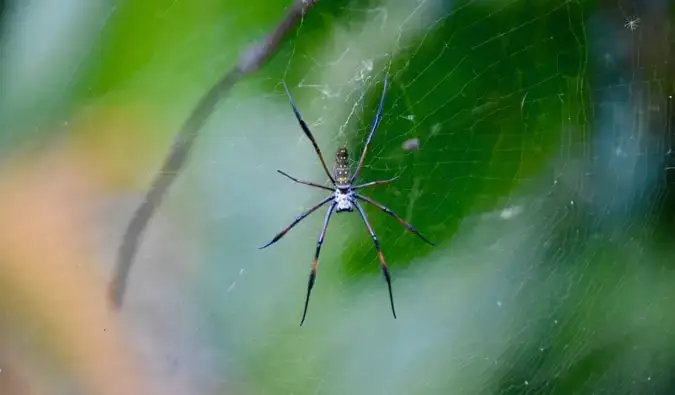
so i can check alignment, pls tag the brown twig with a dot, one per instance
(251, 60)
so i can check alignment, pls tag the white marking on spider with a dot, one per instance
(343, 200)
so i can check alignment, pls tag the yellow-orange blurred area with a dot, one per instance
(55, 318)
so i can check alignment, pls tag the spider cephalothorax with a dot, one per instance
(343, 199)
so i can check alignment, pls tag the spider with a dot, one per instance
(343, 198)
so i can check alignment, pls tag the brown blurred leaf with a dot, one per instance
(50, 289)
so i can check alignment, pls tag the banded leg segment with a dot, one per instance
(309, 183)
(297, 220)
(380, 256)
(315, 262)
(308, 133)
(376, 122)
(393, 214)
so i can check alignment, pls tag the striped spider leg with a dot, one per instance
(343, 198)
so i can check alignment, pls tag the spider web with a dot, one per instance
(531, 140)
(540, 133)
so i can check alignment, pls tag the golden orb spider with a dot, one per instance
(343, 198)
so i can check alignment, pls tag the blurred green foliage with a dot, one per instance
(487, 94)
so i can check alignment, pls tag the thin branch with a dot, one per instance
(250, 61)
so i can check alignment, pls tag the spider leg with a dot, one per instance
(393, 214)
(308, 133)
(383, 264)
(315, 262)
(378, 182)
(311, 184)
(376, 122)
(298, 219)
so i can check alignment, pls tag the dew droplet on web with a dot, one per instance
(510, 212)
(411, 144)
(326, 92)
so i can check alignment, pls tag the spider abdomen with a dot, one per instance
(343, 200)
(342, 166)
